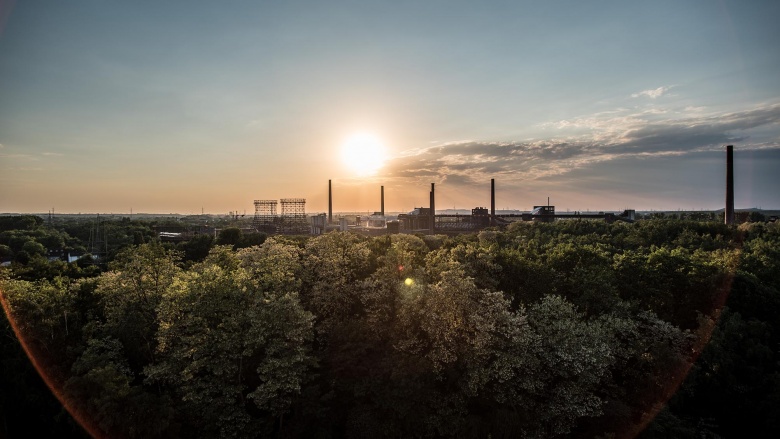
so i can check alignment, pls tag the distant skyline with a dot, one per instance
(176, 106)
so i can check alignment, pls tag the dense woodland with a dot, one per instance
(661, 328)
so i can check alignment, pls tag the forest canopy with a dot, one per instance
(575, 328)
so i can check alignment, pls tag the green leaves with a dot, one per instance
(542, 330)
(231, 344)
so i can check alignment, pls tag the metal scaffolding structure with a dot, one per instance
(293, 221)
(98, 239)
(265, 219)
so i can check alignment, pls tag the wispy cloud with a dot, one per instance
(19, 156)
(22, 169)
(29, 156)
(653, 93)
(608, 136)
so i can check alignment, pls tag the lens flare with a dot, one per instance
(55, 386)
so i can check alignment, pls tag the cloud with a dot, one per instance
(607, 136)
(19, 156)
(22, 169)
(653, 93)
(29, 156)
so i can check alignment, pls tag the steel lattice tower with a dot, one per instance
(98, 239)
(265, 216)
(294, 216)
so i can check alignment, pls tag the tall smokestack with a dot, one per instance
(729, 184)
(330, 203)
(382, 210)
(492, 200)
(433, 208)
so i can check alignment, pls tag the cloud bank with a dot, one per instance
(608, 136)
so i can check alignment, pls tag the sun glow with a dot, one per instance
(363, 153)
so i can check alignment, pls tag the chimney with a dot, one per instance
(382, 210)
(492, 200)
(729, 219)
(330, 203)
(433, 208)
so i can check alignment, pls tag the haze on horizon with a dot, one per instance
(176, 106)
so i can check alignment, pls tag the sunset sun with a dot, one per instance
(363, 153)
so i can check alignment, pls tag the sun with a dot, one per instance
(363, 153)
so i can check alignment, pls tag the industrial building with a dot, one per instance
(293, 220)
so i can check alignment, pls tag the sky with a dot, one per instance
(183, 106)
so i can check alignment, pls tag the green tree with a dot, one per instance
(332, 265)
(130, 295)
(5, 252)
(45, 313)
(274, 266)
(33, 248)
(197, 248)
(27, 406)
(550, 375)
(102, 385)
(106, 380)
(235, 354)
(252, 239)
(230, 236)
